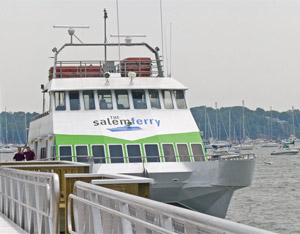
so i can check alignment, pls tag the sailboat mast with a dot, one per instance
(209, 126)
(217, 135)
(293, 121)
(271, 131)
(205, 124)
(25, 129)
(6, 132)
(229, 130)
(243, 120)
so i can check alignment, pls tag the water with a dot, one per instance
(273, 201)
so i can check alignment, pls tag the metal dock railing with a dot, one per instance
(56, 197)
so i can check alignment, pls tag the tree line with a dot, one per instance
(14, 127)
(228, 122)
(219, 124)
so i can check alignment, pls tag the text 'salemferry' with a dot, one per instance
(126, 117)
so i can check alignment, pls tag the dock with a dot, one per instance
(8, 226)
(64, 197)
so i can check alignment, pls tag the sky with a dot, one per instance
(224, 51)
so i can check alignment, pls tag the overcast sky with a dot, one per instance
(224, 51)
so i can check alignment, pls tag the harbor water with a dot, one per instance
(273, 201)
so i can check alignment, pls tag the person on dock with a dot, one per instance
(19, 156)
(29, 154)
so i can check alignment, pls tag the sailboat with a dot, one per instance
(245, 144)
(7, 148)
(292, 138)
(270, 143)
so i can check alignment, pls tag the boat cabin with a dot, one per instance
(115, 112)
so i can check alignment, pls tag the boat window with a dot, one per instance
(139, 99)
(74, 100)
(167, 97)
(60, 101)
(98, 153)
(134, 153)
(183, 152)
(82, 153)
(180, 101)
(154, 99)
(88, 99)
(43, 152)
(122, 99)
(65, 153)
(53, 152)
(169, 152)
(152, 152)
(116, 153)
(197, 152)
(105, 100)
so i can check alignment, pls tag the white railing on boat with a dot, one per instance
(110, 211)
(30, 199)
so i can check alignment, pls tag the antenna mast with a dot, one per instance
(105, 38)
(162, 31)
(118, 25)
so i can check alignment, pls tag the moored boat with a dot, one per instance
(8, 149)
(270, 144)
(285, 152)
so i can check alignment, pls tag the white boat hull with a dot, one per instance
(285, 152)
(206, 187)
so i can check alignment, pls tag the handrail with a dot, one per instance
(97, 69)
(40, 116)
(155, 51)
(109, 211)
(35, 194)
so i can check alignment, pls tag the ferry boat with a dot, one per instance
(125, 116)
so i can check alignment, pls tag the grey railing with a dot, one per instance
(158, 62)
(109, 211)
(40, 116)
(247, 156)
(30, 199)
(81, 69)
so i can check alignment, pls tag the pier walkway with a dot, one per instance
(62, 197)
(8, 226)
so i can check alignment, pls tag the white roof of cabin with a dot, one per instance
(62, 84)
